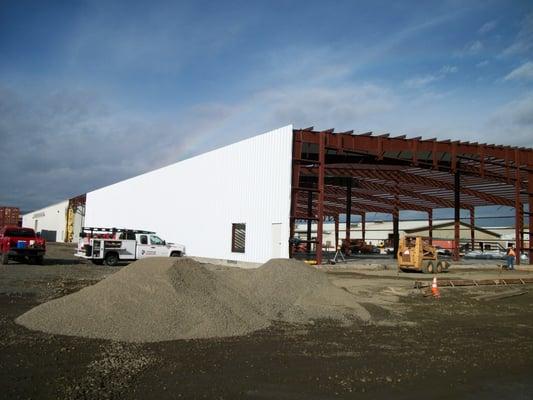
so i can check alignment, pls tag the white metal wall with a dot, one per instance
(51, 218)
(195, 201)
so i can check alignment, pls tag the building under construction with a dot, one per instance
(344, 173)
(243, 201)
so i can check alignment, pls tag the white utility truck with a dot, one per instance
(111, 245)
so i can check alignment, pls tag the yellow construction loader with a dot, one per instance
(415, 254)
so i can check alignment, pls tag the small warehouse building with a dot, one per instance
(244, 201)
(60, 222)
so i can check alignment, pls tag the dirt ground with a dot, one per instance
(472, 342)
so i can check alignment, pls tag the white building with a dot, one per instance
(232, 203)
(378, 233)
(60, 222)
(240, 202)
(50, 221)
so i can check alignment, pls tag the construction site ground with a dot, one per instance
(472, 342)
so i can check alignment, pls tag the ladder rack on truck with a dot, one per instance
(116, 233)
(111, 245)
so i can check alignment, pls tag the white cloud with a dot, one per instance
(523, 42)
(487, 27)
(448, 69)
(523, 73)
(73, 141)
(419, 82)
(472, 48)
(513, 121)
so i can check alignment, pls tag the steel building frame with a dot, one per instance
(347, 173)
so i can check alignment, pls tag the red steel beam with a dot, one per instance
(530, 210)
(295, 182)
(357, 208)
(430, 223)
(363, 226)
(336, 232)
(355, 192)
(321, 194)
(348, 209)
(457, 215)
(390, 172)
(472, 228)
(376, 145)
(437, 201)
(518, 216)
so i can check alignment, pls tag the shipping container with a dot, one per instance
(9, 216)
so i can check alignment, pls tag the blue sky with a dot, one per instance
(94, 92)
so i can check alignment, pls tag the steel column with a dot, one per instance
(519, 227)
(457, 215)
(321, 194)
(295, 182)
(395, 231)
(472, 228)
(336, 232)
(363, 226)
(530, 213)
(396, 222)
(518, 211)
(309, 221)
(430, 223)
(348, 209)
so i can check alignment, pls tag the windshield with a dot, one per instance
(156, 240)
(28, 233)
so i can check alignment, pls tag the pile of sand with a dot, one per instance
(160, 299)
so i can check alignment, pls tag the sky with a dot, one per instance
(93, 92)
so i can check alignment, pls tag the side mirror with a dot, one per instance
(164, 242)
(38, 234)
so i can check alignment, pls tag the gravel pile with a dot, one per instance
(159, 299)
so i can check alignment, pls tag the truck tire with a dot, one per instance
(175, 254)
(428, 267)
(4, 259)
(39, 260)
(111, 259)
(440, 267)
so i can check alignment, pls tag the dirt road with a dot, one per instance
(467, 344)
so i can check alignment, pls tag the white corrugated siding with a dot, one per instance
(51, 218)
(195, 201)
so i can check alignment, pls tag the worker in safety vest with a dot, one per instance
(511, 254)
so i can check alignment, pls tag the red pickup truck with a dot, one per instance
(21, 244)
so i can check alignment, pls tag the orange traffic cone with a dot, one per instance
(434, 288)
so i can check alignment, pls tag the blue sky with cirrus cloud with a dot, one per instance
(93, 92)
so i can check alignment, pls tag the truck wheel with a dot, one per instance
(111, 259)
(4, 259)
(39, 260)
(428, 267)
(175, 254)
(440, 267)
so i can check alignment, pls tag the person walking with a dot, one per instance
(511, 254)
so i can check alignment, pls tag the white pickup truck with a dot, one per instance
(109, 246)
